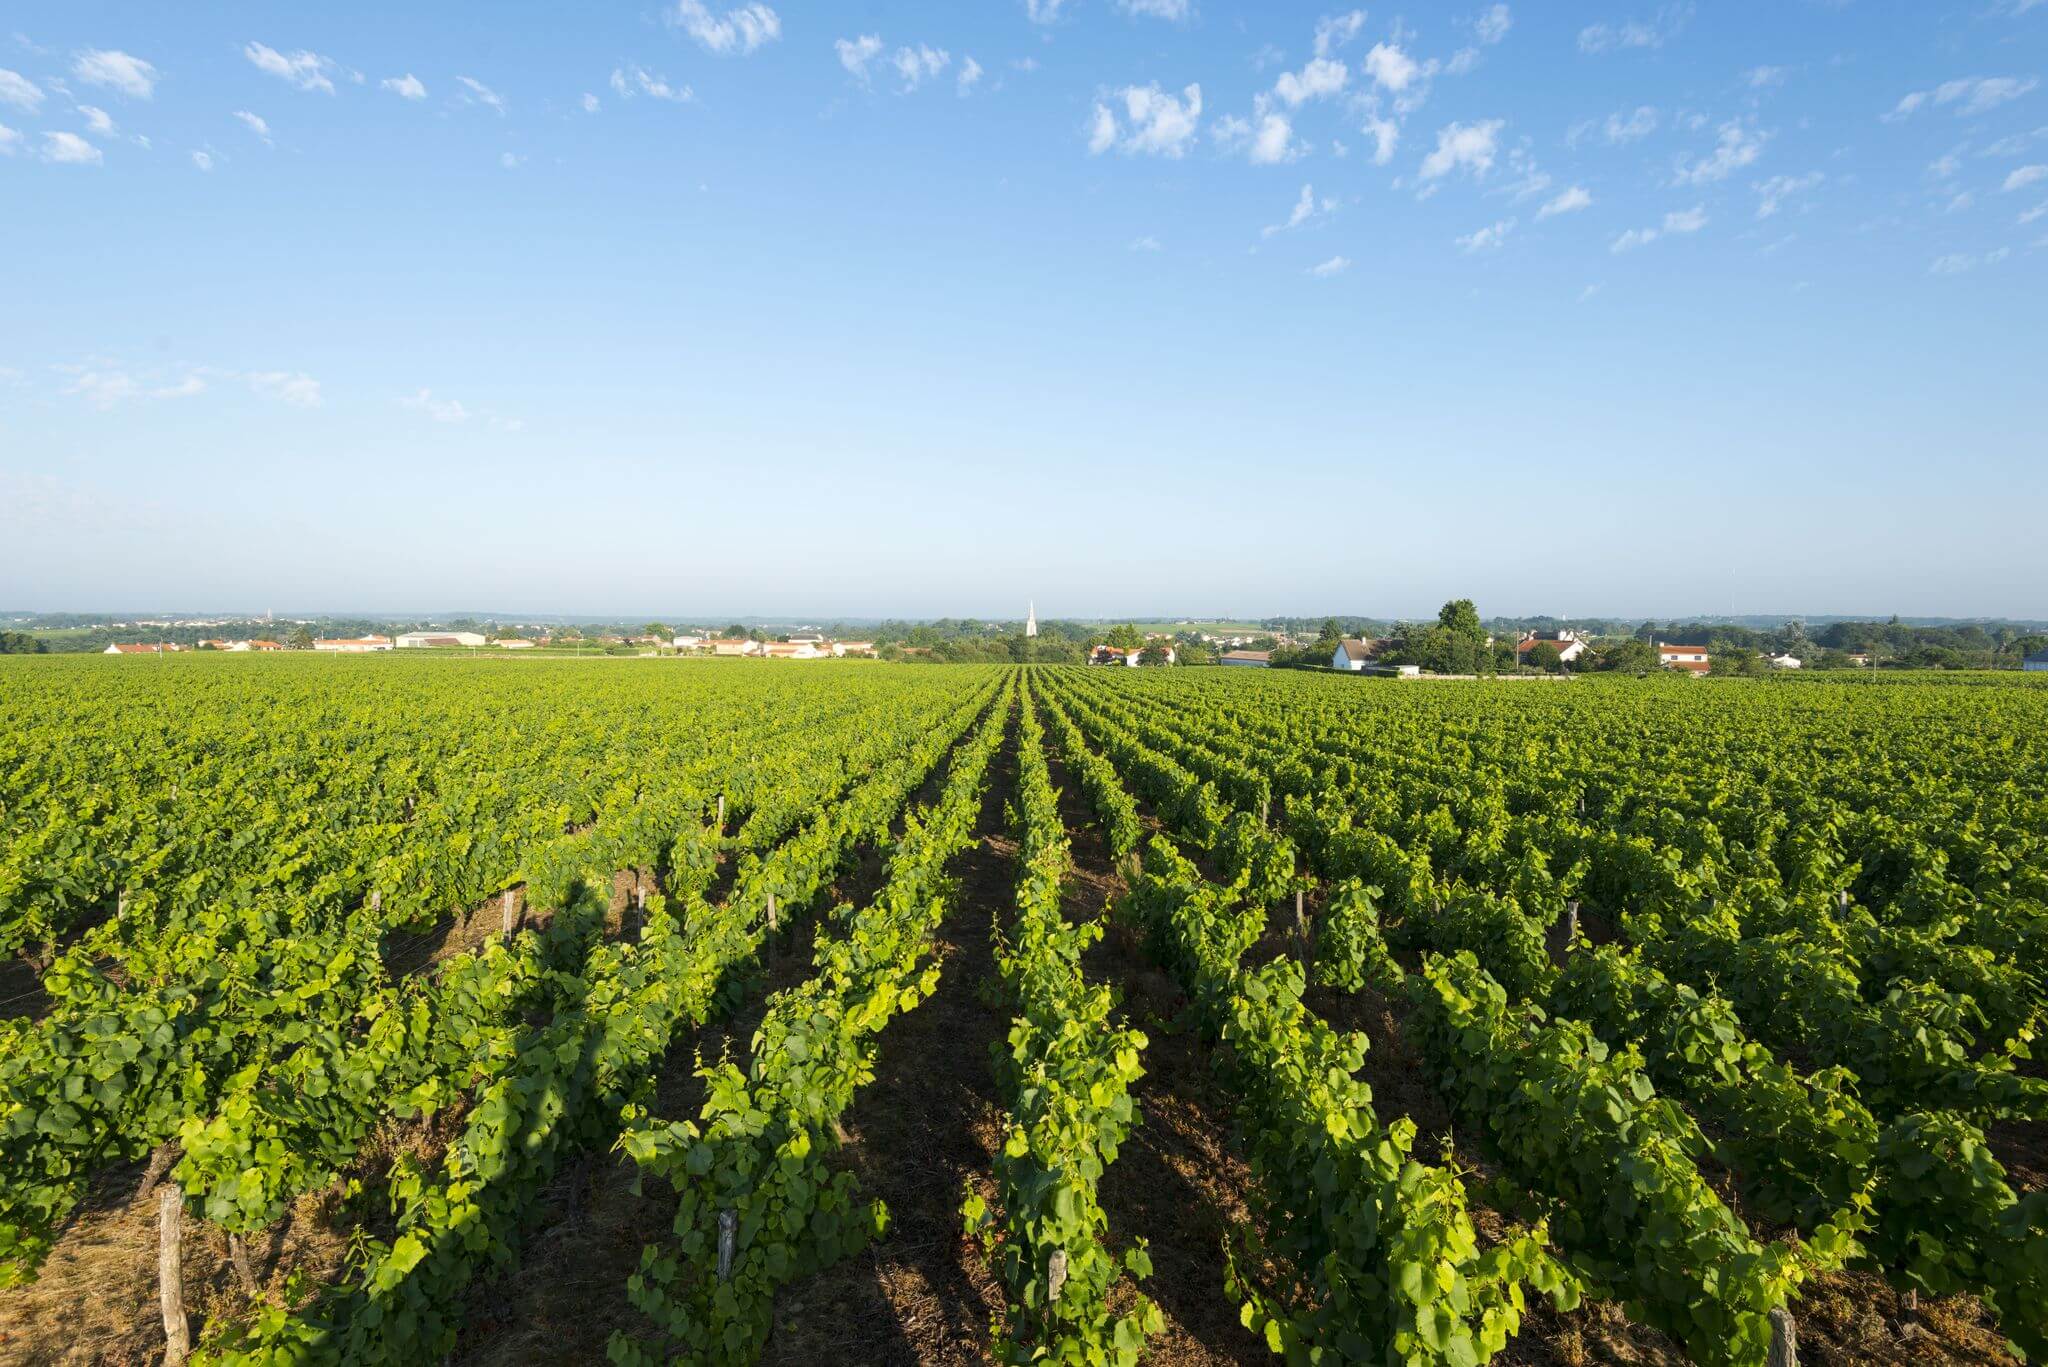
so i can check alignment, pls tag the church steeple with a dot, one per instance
(1031, 620)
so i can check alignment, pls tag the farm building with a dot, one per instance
(420, 640)
(1570, 645)
(687, 641)
(1248, 659)
(1690, 659)
(734, 646)
(796, 650)
(842, 649)
(1782, 661)
(2037, 663)
(352, 645)
(152, 649)
(1355, 655)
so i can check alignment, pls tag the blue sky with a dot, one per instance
(1127, 306)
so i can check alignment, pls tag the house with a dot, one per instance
(1861, 659)
(420, 640)
(2037, 663)
(515, 643)
(1355, 655)
(795, 650)
(1782, 661)
(1690, 659)
(257, 645)
(1248, 659)
(356, 645)
(215, 645)
(687, 641)
(736, 646)
(806, 638)
(842, 649)
(1570, 645)
(151, 649)
(1117, 655)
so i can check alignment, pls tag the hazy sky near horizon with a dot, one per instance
(1124, 306)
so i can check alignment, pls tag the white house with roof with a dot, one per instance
(1783, 660)
(1570, 645)
(352, 645)
(1354, 654)
(423, 640)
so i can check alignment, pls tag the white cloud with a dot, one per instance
(1959, 202)
(1336, 265)
(1385, 134)
(1774, 192)
(9, 140)
(1971, 95)
(104, 389)
(117, 70)
(637, 80)
(1043, 11)
(19, 91)
(2014, 144)
(1266, 138)
(1634, 128)
(70, 149)
(203, 160)
(306, 70)
(1956, 263)
(970, 73)
(1175, 10)
(476, 92)
(295, 388)
(1945, 166)
(591, 103)
(1493, 24)
(1390, 68)
(1335, 31)
(1463, 60)
(255, 123)
(917, 65)
(511, 161)
(2025, 176)
(2038, 211)
(1679, 222)
(1486, 239)
(1159, 124)
(1145, 244)
(1569, 202)
(856, 53)
(1471, 145)
(739, 30)
(408, 85)
(1322, 76)
(1305, 208)
(1763, 77)
(97, 120)
(1735, 148)
(440, 410)
(192, 384)
(1636, 33)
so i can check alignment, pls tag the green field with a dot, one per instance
(751, 1012)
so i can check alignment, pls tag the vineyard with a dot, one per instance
(398, 1010)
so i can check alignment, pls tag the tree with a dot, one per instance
(661, 629)
(1126, 637)
(1737, 662)
(1461, 617)
(1629, 657)
(21, 643)
(735, 632)
(1546, 656)
(300, 639)
(1153, 654)
(1197, 653)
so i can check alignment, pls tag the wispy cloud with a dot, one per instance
(1675, 224)
(1335, 31)
(408, 86)
(256, 124)
(2025, 176)
(117, 71)
(1568, 202)
(1336, 265)
(68, 149)
(476, 92)
(1957, 263)
(203, 160)
(19, 91)
(306, 70)
(1772, 193)
(1175, 10)
(915, 66)
(1468, 145)
(1653, 32)
(1493, 24)
(1305, 208)
(739, 30)
(455, 411)
(630, 81)
(97, 120)
(1970, 95)
(1486, 239)
(856, 53)
(1734, 148)
(970, 75)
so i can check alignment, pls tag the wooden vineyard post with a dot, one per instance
(1308, 944)
(1055, 1283)
(1784, 1339)
(1571, 922)
(639, 908)
(376, 901)
(728, 1227)
(238, 1256)
(508, 915)
(721, 813)
(1266, 809)
(772, 925)
(170, 1274)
